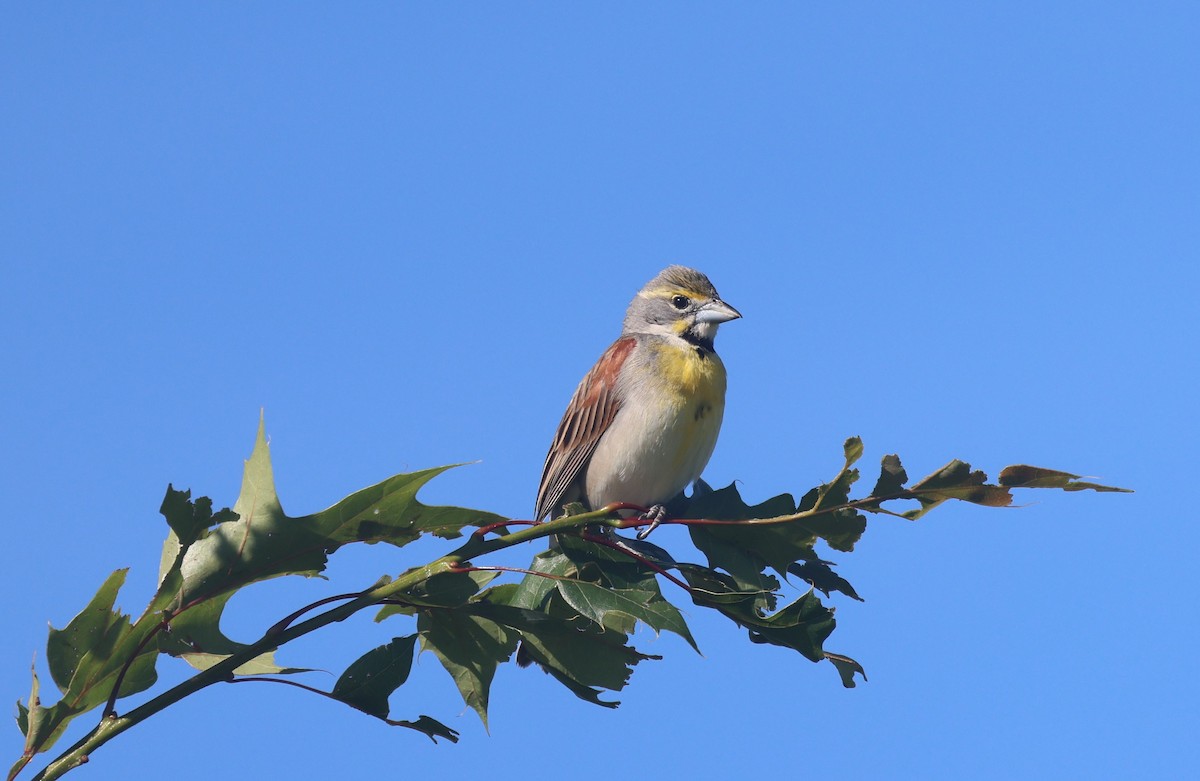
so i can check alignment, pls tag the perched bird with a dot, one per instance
(643, 422)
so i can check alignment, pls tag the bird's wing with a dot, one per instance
(588, 416)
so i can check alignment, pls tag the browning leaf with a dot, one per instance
(1023, 476)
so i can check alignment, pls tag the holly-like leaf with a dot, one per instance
(802, 625)
(547, 567)
(86, 658)
(584, 660)
(609, 587)
(264, 542)
(744, 550)
(598, 603)
(470, 647)
(92, 632)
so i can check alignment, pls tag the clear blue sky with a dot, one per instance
(955, 229)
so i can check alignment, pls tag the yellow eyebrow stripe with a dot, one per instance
(669, 292)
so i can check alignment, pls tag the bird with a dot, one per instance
(644, 420)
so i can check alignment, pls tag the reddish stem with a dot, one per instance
(601, 540)
(491, 527)
(509, 569)
(285, 622)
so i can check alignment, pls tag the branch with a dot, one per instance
(113, 724)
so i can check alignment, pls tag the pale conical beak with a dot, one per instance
(717, 311)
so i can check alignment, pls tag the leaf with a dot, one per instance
(264, 542)
(956, 480)
(112, 641)
(710, 588)
(195, 636)
(744, 550)
(598, 602)
(820, 575)
(1023, 476)
(30, 719)
(449, 589)
(840, 528)
(191, 520)
(87, 633)
(583, 661)
(802, 625)
(846, 668)
(470, 647)
(892, 477)
(612, 589)
(431, 727)
(86, 658)
(368, 683)
(549, 566)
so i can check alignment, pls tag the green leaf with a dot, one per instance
(191, 520)
(710, 588)
(582, 659)
(431, 727)
(448, 589)
(369, 681)
(598, 603)
(470, 647)
(820, 575)
(744, 550)
(533, 589)
(846, 668)
(612, 589)
(196, 637)
(803, 626)
(91, 632)
(86, 658)
(264, 542)
(1023, 476)
(892, 477)
(112, 641)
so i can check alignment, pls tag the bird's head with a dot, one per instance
(679, 301)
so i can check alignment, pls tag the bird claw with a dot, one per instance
(655, 515)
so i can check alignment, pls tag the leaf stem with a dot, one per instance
(114, 724)
(285, 631)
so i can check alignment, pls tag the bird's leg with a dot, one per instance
(655, 515)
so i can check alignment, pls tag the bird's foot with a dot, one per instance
(655, 515)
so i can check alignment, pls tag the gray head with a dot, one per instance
(680, 301)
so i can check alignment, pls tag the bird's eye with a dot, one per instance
(680, 302)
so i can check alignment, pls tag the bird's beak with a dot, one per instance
(717, 311)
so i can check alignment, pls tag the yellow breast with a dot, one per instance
(692, 374)
(665, 432)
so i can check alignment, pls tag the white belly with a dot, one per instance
(649, 455)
